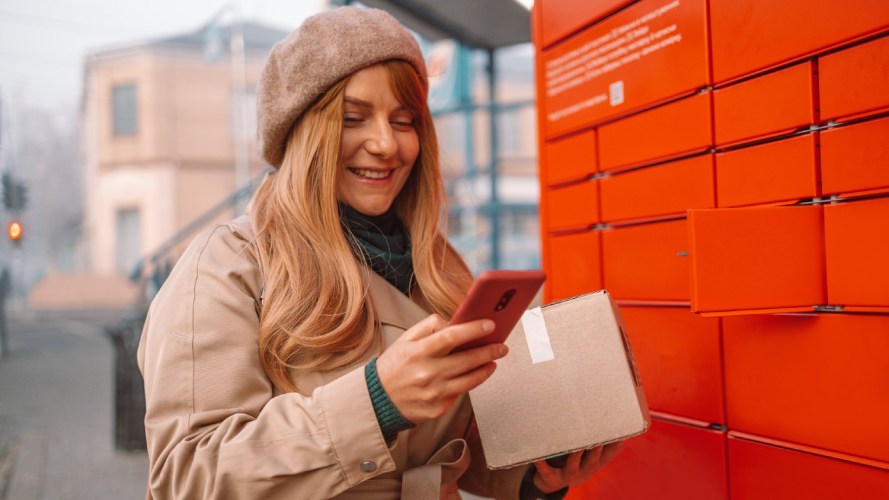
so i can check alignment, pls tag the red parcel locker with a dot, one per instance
(681, 127)
(855, 157)
(746, 260)
(782, 101)
(818, 379)
(560, 19)
(671, 461)
(774, 32)
(575, 206)
(759, 470)
(778, 171)
(667, 189)
(570, 159)
(843, 95)
(575, 265)
(679, 358)
(652, 51)
(857, 251)
(647, 262)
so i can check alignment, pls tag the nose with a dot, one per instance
(381, 142)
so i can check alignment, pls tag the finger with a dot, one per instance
(456, 335)
(469, 380)
(456, 364)
(548, 474)
(426, 327)
(609, 452)
(591, 461)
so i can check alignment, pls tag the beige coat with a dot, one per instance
(216, 427)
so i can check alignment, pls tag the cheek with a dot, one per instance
(410, 149)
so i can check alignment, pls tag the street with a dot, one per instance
(57, 413)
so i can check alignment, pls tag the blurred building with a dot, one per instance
(169, 133)
(484, 187)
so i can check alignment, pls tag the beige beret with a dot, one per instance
(327, 48)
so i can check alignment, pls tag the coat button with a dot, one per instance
(368, 466)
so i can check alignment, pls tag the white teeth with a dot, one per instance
(371, 174)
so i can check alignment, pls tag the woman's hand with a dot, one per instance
(424, 378)
(577, 469)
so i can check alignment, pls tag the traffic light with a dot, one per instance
(15, 193)
(15, 232)
(8, 189)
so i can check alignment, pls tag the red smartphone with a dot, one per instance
(501, 296)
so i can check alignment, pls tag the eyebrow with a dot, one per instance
(364, 104)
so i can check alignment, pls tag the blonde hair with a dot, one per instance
(317, 313)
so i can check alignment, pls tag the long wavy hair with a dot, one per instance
(317, 313)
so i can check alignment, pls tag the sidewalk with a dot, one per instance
(56, 414)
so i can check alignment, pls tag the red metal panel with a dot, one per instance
(783, 170)
(843, 94)
(646, 53)
(666, 189)
(661, 133)
(574, 206)
(560, 19)
(570, 159)
(645, 262)
(778, 102)
(765, 471)
(857, 251)
(818, 380)
(746, 259)
(670, 461)
(855, 158)
(575, 265)
(750, 35)
(679, 358)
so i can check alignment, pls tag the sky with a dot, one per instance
(43, 42)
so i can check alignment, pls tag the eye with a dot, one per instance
(352, 119)
(403, 122)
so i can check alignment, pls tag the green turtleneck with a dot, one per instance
(383, 242)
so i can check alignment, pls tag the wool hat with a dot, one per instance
(327, 48)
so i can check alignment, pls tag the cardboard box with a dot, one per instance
(568, 383)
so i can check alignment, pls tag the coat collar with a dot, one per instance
(391, 306)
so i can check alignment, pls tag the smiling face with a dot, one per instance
(379, 143)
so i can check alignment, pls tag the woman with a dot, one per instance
(303, 352)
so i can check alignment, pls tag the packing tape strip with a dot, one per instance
(537, 336)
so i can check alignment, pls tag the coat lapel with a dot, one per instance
(393, 308)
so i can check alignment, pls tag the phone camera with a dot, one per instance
(504, 299)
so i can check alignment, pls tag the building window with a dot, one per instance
(123, 109)
(128, 244)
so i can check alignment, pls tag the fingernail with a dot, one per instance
(488, 326)
(502, 350)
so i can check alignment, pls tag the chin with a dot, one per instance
(372, 210)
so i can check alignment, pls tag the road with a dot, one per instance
(57, 416)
